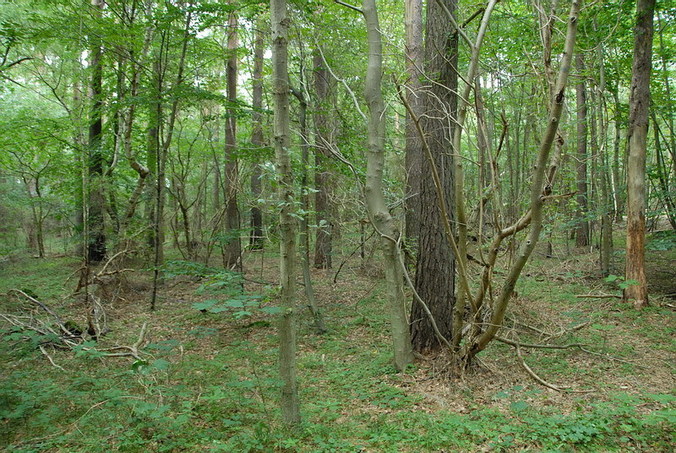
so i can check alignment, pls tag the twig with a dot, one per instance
(517, 344)
(597, 296)
(533, 374)
(46, 354)
(612, 357)
(110, 260)
(347, 5)
(44, 307)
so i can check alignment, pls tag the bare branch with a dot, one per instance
(347, 5)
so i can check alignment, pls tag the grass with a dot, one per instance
(208, 381)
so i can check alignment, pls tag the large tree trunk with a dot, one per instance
(324, 137)
(435, 269)
(96, 241)
(414, 157)
(375, 200)
(582, 231)
(232, 250)
(256, 238)
(639, 103)
(287, 223)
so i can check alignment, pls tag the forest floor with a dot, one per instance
(205, 376)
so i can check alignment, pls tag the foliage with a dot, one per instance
(209, 384)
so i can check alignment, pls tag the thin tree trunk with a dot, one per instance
(599, 137)
(324, 137)
(305, 206)
(639, 104)
(375, 200)
(96, 246)
(256, 239)
(582, 231)
(163, 150)
(618, 187)
(232, 251)
(540, 188)
(287, 225)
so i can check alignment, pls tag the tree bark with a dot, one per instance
(639, 103)
(232, 251)
(304, 235)
(375, 200)
(324, 137)
(96, 241)
(435, 267)
(287, 224)
(415, 59)
(582, 230)
(256, 239)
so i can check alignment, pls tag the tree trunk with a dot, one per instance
(435, 268)
(232, 252)
(324, 137)
(540, 188)
(162, 153)
(639, 103)
(96, 242)
(582, 230)
(618, 187)
(375, 200)
(663, 176)
(287, 223)
(256, 238)
(305, 207)
(415, 58)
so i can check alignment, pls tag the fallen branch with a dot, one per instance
(41, 305)
(46, 354)
(598, 296)
(517, 344)
(534, 375)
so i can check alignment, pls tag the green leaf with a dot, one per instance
(139, 365)
(518, 406)
(204, 306)
(272, 310)
(160, 364)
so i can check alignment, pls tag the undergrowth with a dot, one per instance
(208, 381)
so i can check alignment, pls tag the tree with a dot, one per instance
(582, 232)
(414, 158)
(435, 266)
(379, 214)
(324, 138)
(287, 222)
(96, 236)
(232, 249)
(639, 104)
(256, 240)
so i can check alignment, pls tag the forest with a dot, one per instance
(337, 226)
